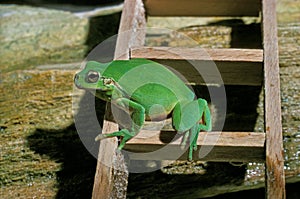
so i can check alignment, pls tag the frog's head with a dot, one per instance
(90, 78)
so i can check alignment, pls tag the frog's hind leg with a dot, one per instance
(206, 125)
(187, 117)
(194, 133)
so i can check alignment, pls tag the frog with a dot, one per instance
(146, 90)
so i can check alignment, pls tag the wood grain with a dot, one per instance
(205, 54)
(209, 66)
(103, 183)
(275, 179)
(132, 28)
(111, 173)
(214, 146)
(232, 146)
(202, 8)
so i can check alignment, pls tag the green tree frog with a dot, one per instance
(147, 90)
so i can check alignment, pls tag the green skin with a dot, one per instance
(147, 91)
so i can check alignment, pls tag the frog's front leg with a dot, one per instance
(137, 116)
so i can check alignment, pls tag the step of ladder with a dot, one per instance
(223, 146)
(237, 67)
(203, 7)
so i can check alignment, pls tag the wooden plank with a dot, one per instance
(203, 7)
(111, 166)
(209, 66)
(178, 53)
(275, 178)
(132, 28)
(104, 183)
(214, 146)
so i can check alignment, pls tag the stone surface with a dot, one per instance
(31, 36)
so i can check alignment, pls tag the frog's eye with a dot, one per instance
(92, 77)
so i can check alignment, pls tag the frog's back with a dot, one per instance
(135, 73)
(118, 68)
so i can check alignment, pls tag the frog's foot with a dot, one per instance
(190, 153)
(122, 133)
(126, 135)
(193, 144)
(192, 148)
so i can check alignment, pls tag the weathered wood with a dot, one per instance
(111, 176)
(275, 179)
(240, 149)
(132, 28)
(205, 54)
(203, 66)
(103, 183)
(214, 146)
(202, 8)
(131, 33)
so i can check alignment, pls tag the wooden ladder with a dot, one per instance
(262, 69)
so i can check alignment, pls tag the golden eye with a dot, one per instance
(92, 77)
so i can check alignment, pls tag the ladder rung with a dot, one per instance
(202, 7)
(209, 66)
(179, 53)
(222, 146)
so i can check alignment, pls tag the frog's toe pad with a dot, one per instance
(195, 148)
(100, 137)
